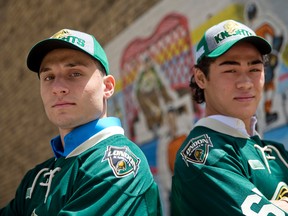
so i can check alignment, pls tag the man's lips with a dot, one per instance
(244, 98)
(63, 104)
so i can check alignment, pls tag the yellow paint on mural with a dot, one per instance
(118, 86)
(233, 11)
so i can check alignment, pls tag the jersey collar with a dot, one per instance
(228, 125)
(80, 134)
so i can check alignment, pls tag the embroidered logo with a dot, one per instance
(61, 34)
(197, 149)
(67, 36)
(231, 29)
(281, 191)
(122, 161)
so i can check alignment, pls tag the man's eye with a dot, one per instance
(230, 71)
(76, 74)
(255, 70)
(48, 78)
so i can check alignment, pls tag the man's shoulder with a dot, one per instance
(118, 154)
(121, 143)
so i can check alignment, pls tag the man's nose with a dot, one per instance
(244, 81)
(59, 87)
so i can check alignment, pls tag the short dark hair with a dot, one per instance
(204, 66)
(100, 67)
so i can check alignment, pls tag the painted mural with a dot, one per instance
(154, 100)
(273, 112)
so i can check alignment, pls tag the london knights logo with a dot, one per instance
(122, 161)
(197, 149)
(232, 29)
(66, 35)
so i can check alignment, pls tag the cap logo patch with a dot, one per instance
(197, 149)
(61, 34)
(231, 29)
(66, 36)
(122, 161)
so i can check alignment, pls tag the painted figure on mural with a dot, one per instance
(155, 71)
(268, 29)
(152, 95)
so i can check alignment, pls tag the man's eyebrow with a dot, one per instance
(254, 62)
(257, 61)
(229, 63)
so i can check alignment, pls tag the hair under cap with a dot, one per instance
(221, 37)
(71, 39)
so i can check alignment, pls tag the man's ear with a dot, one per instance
(109, 83)
(200, 78)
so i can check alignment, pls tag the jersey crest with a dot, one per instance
(197, 149)
(122, 161)
(281, 191)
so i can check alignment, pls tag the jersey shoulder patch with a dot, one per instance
(197, 150)
(122, 161)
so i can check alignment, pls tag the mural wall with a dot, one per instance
(153, 59)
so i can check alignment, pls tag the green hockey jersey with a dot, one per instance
(107, 174)
(221, 171)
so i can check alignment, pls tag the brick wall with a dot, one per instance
(24, 129)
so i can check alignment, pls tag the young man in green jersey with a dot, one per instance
(224, 167)
(96, 169)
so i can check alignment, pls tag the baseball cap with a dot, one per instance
(221, 37)
(67, 38)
